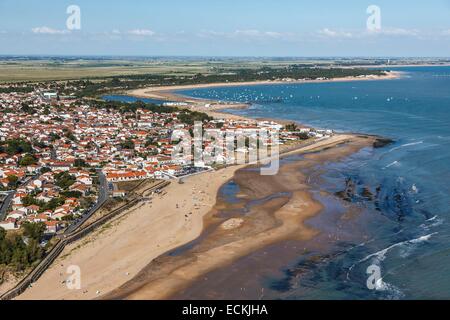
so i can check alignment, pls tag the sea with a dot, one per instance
(131, 99)
(402, 190)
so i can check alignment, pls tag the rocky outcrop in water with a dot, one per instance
(393, 200)
(349, 192)
(382, 142)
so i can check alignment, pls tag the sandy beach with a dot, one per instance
(115, 254)
(118, 260)
(229, 238)
(118, 252)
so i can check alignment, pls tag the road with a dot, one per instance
(53, 155)
(5, 205)
(8, 199)
(103, 195)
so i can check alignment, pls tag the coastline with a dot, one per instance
(168, 92)
(281, 216)
(118, 253)
(114, 254)
(112, 258)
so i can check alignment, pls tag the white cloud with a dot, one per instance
(142, 32)
(47, 30)
(210, 34)
(334, 33)
(446, 32)
(397, 32)
(247, 33)
(274, 34)
(244, 34)
(359, 34)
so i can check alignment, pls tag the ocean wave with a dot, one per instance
(381, 255)
(363, 244)
(435, 223)
(395, 163)
(406, 145)
(394, 293)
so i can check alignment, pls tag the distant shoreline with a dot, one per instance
(405, 65)
(168, 93)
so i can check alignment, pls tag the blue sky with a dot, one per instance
(226, 28)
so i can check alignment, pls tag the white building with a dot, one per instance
(9, 224)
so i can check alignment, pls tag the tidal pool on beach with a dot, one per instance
(402, 190)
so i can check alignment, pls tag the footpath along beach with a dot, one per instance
(129, 258)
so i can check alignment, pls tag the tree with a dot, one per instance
(34, 251)
(52, 204)
(16, 146)
(190, 118)
(64, 180)
(68, 218)
(17, 254)
(53, 137)
(129, 144)
(291, 127)
(69, 135)
(115, 81)
(303, 135)
(27, 160)
(80, 163)
(19, 258)
(45, 170)
(12, 181)
(40, 144)
(26, 108)
(34, 230)
(72, 194)
(29, 200)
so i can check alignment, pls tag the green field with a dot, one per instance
(27, 69)
(70, 69)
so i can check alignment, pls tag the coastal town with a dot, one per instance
(60, 155)
(223, 159)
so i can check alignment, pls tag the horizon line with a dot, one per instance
(220, 56)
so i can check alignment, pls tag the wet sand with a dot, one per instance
(283, 270)
(272, 209)
(117, 252)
